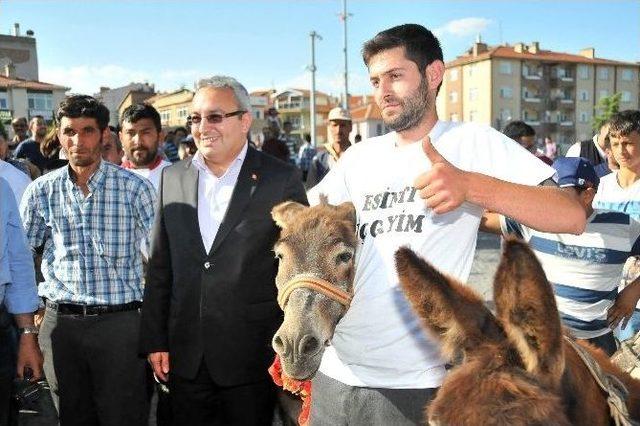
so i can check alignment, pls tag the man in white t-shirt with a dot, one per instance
(141, 134)
(620, 190)
(425, 186)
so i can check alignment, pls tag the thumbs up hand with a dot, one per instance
(444, 187)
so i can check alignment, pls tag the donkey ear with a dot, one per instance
(347, 211)
(447, 308)
(526, 307)
(283, 213)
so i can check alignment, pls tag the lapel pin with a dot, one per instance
(254, 177)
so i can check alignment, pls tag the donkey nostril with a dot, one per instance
(279, 345)
(309, 345)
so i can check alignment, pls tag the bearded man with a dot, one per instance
(424, 185)
(141, 135)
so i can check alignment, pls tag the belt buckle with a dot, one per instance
(85, 314)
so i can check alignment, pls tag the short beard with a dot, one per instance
(413, 110)
(146, 160)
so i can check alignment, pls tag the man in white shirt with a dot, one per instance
(425, 186)
(619, 191)
(141, 134)
(210, 310)
(592, 149)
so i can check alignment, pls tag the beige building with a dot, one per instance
(294, 105)
(27, 98)
(556, 93)
(173, 107)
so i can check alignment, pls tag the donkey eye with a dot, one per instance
(345, 256)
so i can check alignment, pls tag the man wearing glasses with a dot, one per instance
(210, 306)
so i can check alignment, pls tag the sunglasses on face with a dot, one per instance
(215, 118)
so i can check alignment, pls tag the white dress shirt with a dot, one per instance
(17, 180)
(214, 195)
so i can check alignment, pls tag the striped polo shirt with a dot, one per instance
(585, 269)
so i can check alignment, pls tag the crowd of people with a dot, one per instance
(138, 255)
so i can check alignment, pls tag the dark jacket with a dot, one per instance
(221, 305)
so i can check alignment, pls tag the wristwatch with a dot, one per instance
(32, 329)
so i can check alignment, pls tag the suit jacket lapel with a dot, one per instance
(242, 193)
(190, 193)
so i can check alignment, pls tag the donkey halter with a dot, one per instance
(316, 284)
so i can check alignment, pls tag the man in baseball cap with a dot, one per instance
(577, 172)
(338, 128)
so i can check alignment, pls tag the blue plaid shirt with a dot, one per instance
(91, 245)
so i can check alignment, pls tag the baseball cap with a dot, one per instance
(576, 171)
(339, 113)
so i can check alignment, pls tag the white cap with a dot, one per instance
(339, 113)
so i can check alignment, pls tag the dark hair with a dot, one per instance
(83, 106)
(420, 45)
(624, 122)
(517, 129)
(180, 129)
(136, 112)
(287, 122)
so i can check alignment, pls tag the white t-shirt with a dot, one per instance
(153, 175)
(379, 342)
(611, 196)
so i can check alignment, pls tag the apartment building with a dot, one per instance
(294, 105)
(173, 107)
(554, 92)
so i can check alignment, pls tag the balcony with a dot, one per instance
(566, 123)
(532, 122)
(532, 76)
(528, 97)
(296, 105)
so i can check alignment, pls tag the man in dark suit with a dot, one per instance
(210, 309)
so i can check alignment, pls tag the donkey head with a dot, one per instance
(511, 365)
(316, 244)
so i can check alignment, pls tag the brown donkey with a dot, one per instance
(515, 368)
(316, 250)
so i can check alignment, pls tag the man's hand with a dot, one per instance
(623, 307)
(160, 363)
(29, 356)
(444, 187)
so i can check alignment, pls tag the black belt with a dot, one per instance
(75, 309)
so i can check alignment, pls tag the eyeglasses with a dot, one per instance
(213, 118)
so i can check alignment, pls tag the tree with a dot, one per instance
(607, 106)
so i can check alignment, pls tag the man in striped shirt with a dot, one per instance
(585, 269)
(89, 219)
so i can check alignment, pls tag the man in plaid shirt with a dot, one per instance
(89, 219)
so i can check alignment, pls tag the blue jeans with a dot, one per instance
(633, 326)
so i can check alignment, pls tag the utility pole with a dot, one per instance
(343, 17)
(314, 35)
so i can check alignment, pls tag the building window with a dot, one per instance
(584, 117)
(473, 115)
(583, 72)
(182, 113)
(626, 96)
(603, 94)
(453, 74)
(165, 116)
(453, 97)
(505, 67)
(627, 74)
(584, 95)
(378, 129)
(505, 115)
(603, 73)
(506, 92)
(473, 93)
(454, 117)
(40, 101)
(470, 69)
(4, 100)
